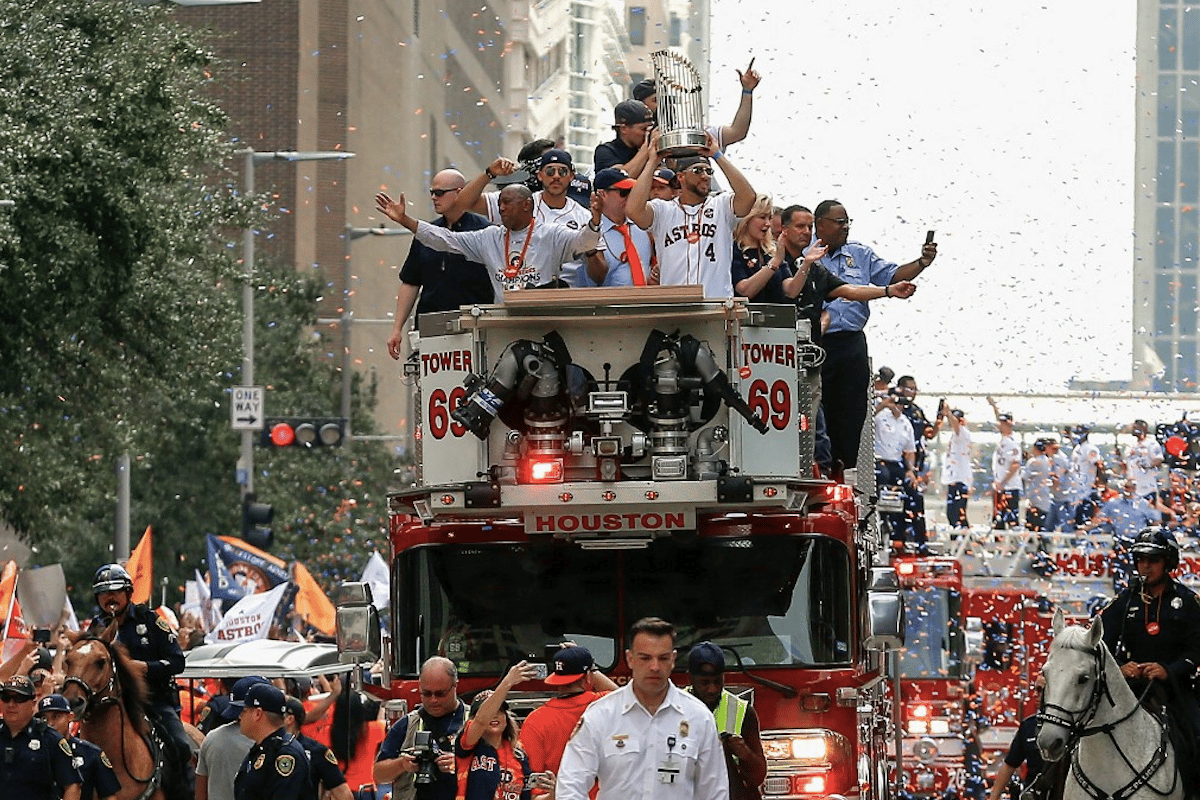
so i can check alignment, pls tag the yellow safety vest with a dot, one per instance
(730, 713)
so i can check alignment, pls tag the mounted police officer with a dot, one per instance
(1152, 629)
(152, 646)
(36, 762)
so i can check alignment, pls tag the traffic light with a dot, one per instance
(303, 431)
(255, 517)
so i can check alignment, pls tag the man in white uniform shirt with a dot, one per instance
(957, 473)
(1143, 460)
(1086, 467)
(551, 204)
(895, 463)
(648, 740)
(1006, 474)
(520, 254)
(693, 234)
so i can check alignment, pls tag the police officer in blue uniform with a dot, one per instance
(1152, 629)
(150, 641)
(276, 767)
(36, 762)
(323, 770)
(99, 778)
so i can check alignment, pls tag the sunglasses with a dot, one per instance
(440, 192)
(622, 192)
(438, 695)
(556, 171)
(14, 698)
(700, 170)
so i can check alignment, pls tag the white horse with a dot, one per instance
(1118, 749)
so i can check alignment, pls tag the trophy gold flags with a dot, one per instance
(680, 104)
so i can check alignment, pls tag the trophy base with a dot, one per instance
(679, 143)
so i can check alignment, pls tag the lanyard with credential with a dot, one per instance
(512, 270)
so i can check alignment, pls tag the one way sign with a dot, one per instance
(246, 410)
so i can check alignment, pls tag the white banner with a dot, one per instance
(250, 618)
(376, 574)
(210, 610)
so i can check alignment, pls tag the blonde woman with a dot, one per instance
(757, 269)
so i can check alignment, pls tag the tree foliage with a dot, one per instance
(120, 297)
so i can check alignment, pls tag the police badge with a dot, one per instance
(141, 630)
(36, 744)
(285, 764)
(262, 759)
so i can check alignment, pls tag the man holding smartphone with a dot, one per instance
(548, 727)
(846, 373)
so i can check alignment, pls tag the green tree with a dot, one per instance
(120, 302)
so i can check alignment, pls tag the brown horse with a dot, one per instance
(109, 698)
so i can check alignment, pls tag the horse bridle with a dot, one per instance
(1077, 729)
(111, 695)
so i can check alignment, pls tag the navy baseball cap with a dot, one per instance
(556, 156)
(664, 175)
(570, 664)
(612, 178)
(54, 702)
(706, 654)
(237, 695)
(266, 697)
(631, 112)
(643, 89)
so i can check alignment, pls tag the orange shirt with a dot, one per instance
(548, 727)
(358, 771)
(319, 728)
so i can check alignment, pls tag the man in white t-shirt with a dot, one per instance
(1143, 460)
(693, 234)
(1006, 474)
(519, 253)
(551, 204)
(956, 469)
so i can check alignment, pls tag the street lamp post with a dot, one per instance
(347, 317)
(246, 462)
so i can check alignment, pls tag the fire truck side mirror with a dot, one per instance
(883, 623)
(358, 634)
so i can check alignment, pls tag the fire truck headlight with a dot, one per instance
(809, 748)
(939, 727)
(812, 784)
(918, 726)
(920, 711)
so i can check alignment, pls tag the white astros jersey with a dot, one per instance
(695, 243)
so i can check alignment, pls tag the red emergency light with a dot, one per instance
(546, 470)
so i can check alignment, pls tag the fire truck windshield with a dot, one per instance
(934, 641)
(770, 600)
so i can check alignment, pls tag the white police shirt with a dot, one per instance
(636, 755)
(1007, 453)
(1140, 462)
(893, 436)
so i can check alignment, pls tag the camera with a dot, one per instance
(41, 635)
(425, 751)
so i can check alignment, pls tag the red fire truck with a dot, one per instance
(591, 457)
(972, 648)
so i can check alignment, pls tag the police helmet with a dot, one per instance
(1157, 541)
(112, 578)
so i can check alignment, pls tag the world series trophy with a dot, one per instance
(680, 105)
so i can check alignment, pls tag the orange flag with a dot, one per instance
(311, 603)
(141, 569)
(15, 631)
